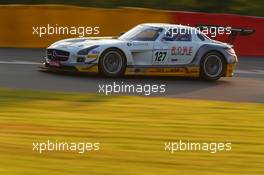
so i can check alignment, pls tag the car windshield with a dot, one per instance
(142, 33)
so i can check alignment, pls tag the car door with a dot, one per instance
(141, 52)
(160, 53)
(175, 48)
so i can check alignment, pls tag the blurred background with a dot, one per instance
(19, 17)
(245, 7)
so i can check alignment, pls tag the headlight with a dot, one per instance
(86, 50)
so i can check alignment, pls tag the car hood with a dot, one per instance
(82, 43)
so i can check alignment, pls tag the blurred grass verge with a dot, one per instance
(244, 7)
(132, 132)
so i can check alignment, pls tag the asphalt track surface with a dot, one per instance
(19, 70)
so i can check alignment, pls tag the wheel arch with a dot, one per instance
(205, 49)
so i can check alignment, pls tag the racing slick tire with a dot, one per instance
(212, 66)
(112, 63)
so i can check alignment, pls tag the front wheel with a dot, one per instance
(212, 66)
(112, 63)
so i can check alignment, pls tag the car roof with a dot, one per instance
(166, 25)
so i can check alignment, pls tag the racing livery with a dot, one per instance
(147, 49)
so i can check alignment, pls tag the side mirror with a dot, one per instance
(121, 33)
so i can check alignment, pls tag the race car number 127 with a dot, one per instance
(160, 56)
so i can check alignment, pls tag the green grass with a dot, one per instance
(132, 132)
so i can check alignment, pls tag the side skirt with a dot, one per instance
(166, 71)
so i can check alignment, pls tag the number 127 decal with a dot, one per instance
(160, 56)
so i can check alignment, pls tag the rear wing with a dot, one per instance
(235, 32)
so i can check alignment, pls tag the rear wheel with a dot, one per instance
(212, 66)
(112, 63)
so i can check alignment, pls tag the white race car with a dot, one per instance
(147, 49)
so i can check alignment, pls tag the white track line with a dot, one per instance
(255, 72)
(20, 62)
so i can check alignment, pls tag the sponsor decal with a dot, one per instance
(95, 52)
(140, 44)
(188, 71)
(137, 44)
(175, 70)
(174, 59)
(54, 63)
(88, 68)
(185, 50)
(166, 70)
(160, 56)
(92, 56)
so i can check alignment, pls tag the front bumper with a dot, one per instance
(230, 70)
(232, 61)
(70, 67)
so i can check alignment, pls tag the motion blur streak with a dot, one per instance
(132, 140)
(28, 16)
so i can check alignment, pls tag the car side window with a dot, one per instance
(178, 35)
(201, 37)
(183, 37)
